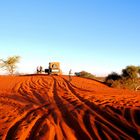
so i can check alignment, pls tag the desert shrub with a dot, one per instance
(126, 83)
(113, 76)
(85, 74)
(131, 72)
(129, 79)
(117, 84)
(109, 80)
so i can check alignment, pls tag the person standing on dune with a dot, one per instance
(41, 69)
(38, 70)
(70, 72)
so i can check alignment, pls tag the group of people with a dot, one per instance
(39, 69)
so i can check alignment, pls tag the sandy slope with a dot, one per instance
(50, 107)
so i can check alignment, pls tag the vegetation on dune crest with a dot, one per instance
(129, 79)
(10, 64)
(85, 74)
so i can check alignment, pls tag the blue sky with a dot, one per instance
(99, 36)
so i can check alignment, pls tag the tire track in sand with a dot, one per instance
(69, 119)
(107, 122)
(123, 128)
(27, 124)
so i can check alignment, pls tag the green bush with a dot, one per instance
(109, 80)
(85, 74)
(129, 79)
(131, 72)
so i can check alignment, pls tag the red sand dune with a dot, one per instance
(51, 108)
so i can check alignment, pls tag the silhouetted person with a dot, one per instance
(41, 69)
(38, 69)
(70, 72)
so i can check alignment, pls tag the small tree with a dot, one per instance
(131, 72)
(128, 79)
(111, 78)
(9, 64)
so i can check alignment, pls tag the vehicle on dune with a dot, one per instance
(54, 68)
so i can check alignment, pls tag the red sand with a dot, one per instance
(51, 108)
